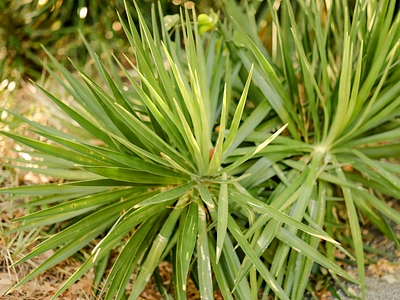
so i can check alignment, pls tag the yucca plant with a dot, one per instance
(164, 174)
(330, 71)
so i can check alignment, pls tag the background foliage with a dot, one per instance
(55, 24)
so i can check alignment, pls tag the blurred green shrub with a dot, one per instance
(55, 24)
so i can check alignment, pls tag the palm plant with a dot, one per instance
(158, 182)
(330, 71)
